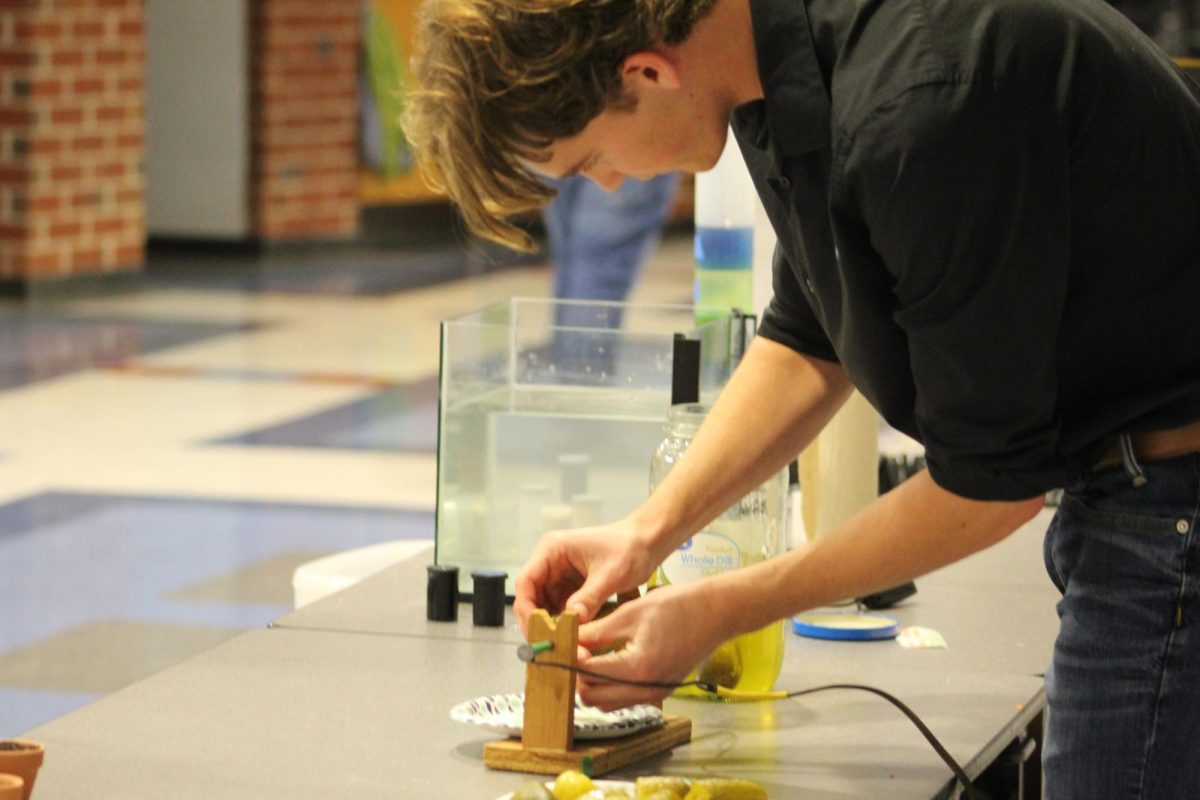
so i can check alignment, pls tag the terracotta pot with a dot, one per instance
(23, 758)
(11, 787)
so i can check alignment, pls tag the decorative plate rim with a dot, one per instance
(501, 713)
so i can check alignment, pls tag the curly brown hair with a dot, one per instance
(496, 82)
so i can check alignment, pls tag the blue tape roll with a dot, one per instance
(848, 627)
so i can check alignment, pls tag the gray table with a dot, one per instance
(350, 698)
(309, 714)
(392, 602)
(996, 610)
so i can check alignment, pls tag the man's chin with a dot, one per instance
(706, 163)
(711, 153)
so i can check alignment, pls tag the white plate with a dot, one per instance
(505, 713)
(628, 786)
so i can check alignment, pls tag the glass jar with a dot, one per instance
(747, 533)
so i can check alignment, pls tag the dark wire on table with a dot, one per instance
(972, 792)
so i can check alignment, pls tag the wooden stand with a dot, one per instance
(547, 744)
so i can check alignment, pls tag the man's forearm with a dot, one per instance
(914, 529)
(775, 403)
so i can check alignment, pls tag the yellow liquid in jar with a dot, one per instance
(749, 663)
(756, 658)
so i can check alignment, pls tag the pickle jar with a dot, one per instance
(748, 532)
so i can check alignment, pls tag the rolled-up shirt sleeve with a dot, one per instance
(965, 196)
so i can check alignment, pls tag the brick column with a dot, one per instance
(304, 118)
(71, 138)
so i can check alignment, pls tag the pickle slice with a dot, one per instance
(723, 667)
(731, 789)
(649, 787)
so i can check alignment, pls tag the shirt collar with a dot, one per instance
(797, 102)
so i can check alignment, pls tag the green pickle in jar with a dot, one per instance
(749, 532)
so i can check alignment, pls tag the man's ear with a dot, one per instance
(650, 67)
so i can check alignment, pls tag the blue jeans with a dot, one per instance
(598, 243)
(1123, 690)
(599, 239)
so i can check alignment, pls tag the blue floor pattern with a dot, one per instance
(357, 270)
(38, 346)
(71, 558)
(74, 566)
(401, 418)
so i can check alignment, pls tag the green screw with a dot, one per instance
(527, 652)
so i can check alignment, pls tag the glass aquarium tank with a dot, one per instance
(549, 412)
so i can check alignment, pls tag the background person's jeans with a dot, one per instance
(1124, 686)
(599, 241)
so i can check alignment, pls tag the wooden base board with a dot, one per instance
(592, 758)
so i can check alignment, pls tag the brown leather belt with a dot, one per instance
(1153, 445)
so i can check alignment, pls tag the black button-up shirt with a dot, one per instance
(989, 213)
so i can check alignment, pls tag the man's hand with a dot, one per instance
(578, 570)
(666, 634)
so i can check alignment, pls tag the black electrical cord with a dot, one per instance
(972, 791)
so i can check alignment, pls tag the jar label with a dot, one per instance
(704, 554)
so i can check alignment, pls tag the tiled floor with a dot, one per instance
(170, 452)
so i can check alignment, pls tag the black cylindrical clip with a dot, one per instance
(441, 593)
(487, 604)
